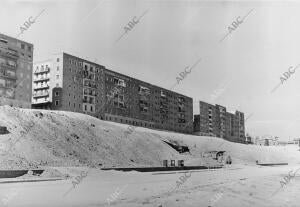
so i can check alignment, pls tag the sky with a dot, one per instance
(239, 51)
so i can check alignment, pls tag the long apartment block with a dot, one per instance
(15, 72)
(215, 120)
(69, 83)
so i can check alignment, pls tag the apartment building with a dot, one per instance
(70, 83)
(215, 120)
(142, 104)
(15, 72)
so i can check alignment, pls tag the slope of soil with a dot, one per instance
(55, 138)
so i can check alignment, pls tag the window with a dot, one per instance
(56, 94)
(57, 76)
(74, 105)
(56, 103)
(69, 104)
(22, 46)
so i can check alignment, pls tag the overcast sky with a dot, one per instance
(239, 72)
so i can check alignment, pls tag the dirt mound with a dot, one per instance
(42, 138)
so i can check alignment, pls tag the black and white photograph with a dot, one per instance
(149, 103)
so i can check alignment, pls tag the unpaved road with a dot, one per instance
(241, 185)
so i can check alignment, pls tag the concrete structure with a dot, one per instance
(15, 72)
(214, 120)
(74, 84)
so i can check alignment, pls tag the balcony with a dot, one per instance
(119, 82)
(144, 103)
(7, 66)
(88, 84)
(40, 101)
(90, 93)
(163, 94)
(43, 94)
(180, 120)
(181, 110)
(144, 109)
(144, 98)
(89, 76)
(164, 111)
(181, 105)
(41, 71)
(14, 77)
(9, 53)
(89, 101)
(39, 87)
(181, 100)
(163, 105)
(41, 79)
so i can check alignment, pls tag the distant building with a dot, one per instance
(69, 83)
(214, 120)
(249, 139)
(15, 72)
(267, 141)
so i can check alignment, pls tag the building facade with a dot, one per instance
(74, 84)
(41, 95)
(15, 72)
(215, 120)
